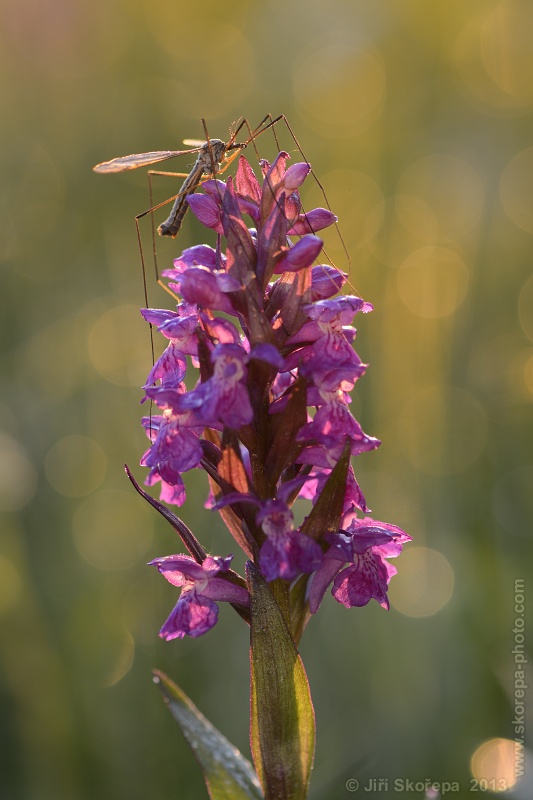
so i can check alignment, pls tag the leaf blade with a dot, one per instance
(282, 723)
(227, 773)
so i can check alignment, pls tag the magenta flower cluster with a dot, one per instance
(268, 418)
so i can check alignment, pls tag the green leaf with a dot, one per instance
(285, 448)
(300, 614)
(228, 775)
(326, 514)
(282, 725)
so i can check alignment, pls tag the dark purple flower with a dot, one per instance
(313, 221)
(201, 286)
(180, 327)
(196, 611)
(271, 403)
(172, 493)
(286, 552)
(216, 190)
(365, 545)
(207, 210)
(246, 183)
(333, 423)
(201, 255)
(170, 367)
(327, 356)
(223, 397)
(175, 444)
(300, 256)
(295, 175)
(326, 281)
(353, 499)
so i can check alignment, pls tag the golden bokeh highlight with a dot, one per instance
(39, 198)
(493, 765)
(54, 360)
(10, 585)
(68, 41)
(516, 189)
(221, 54)
(339, 86)
(512, 500)
(525, 308)
(528, 373)
(433, 281)
(519, 375)
(492, 58)
(424, 582)
(448, 188)
(506, 51)
(18, 477)
(112, 530)
(75, 466)
(393, 496)
(443, 429)
(418, 218)
(105, 647)
(125, 646)
(118, 345)
(353, 196)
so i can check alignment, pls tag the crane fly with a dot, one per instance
(211, 155)
(213, 158)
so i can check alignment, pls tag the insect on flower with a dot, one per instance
(253, 388)
(211, 155)
(214, 156)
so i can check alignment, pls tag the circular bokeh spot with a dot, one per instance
(18, 477)
(112, 530)
(448, 189)
(10, 585)
(340, 86)
(433, 281)
(443, 429)
(525, 308)
(119, 346)
(75, 466)
(512, 500)
(516, 189)
(423, 584)
(506, 51)
(493, 765)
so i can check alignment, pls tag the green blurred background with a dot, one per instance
(417, 116)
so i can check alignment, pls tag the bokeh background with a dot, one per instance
(417, 117)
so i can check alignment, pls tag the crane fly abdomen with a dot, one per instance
(208, 162)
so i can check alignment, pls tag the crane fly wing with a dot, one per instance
(139, 160)
(193, 142)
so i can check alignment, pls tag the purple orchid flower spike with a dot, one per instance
(196, 611)
(269, 416)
